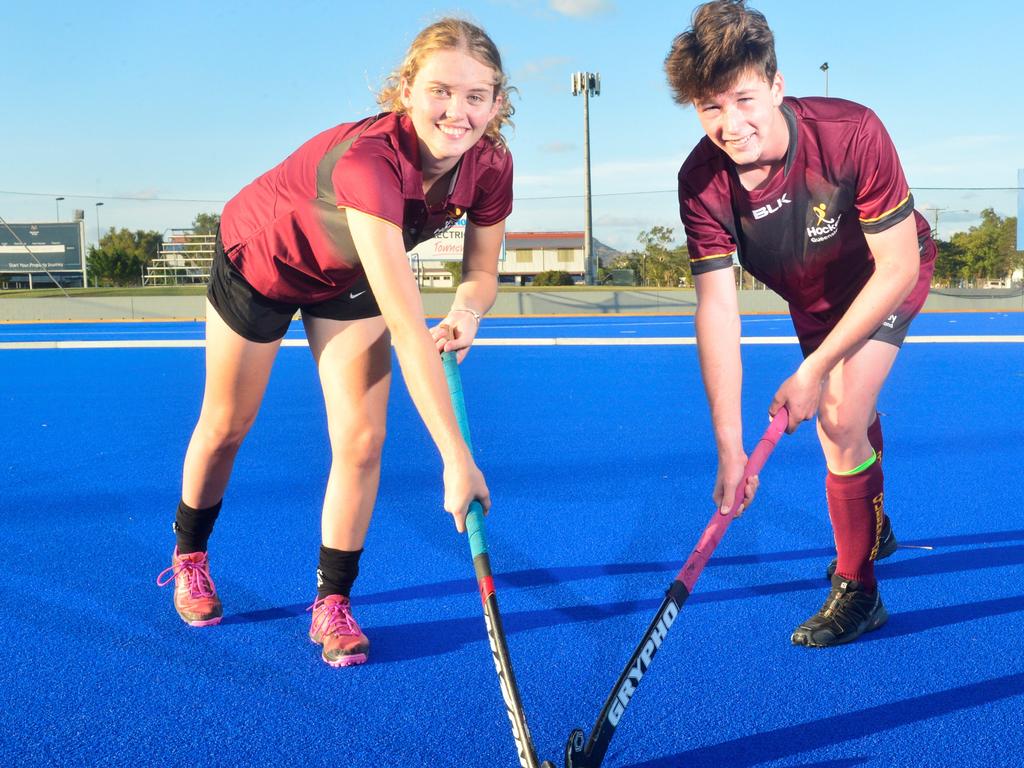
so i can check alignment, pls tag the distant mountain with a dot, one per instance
(605, 253)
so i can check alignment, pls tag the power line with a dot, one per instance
(140, 199)
(137, 198)
(673, 191)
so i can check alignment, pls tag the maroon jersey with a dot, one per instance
(803, 233)
(287, 231)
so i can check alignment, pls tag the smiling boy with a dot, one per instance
(810, 196)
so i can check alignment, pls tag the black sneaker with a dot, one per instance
(886, 546)
(849, 612)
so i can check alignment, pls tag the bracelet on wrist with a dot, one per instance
(473, 312)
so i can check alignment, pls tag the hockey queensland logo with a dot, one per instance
(822, 227)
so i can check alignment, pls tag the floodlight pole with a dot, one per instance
(586, 83)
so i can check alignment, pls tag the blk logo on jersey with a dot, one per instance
(824, 228)
(770, 208)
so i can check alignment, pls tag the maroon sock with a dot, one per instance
(855, 507)
(875, 435)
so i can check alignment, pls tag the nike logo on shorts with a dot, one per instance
(355, 295)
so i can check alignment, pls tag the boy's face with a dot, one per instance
(745, 121)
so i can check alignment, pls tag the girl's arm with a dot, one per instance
(382, 253)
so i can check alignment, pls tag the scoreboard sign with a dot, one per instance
(447, 245)
(55, 247)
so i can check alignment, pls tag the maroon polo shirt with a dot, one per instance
(287, 231)
(803, 234)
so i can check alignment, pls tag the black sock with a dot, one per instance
(337, 572)
(192, 527)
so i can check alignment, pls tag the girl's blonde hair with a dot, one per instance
(446, 35)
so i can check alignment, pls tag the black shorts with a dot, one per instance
(255, 317)
(812, 328)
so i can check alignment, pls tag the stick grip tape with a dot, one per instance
(716, 526)
(475, 516)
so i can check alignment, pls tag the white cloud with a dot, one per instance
(581, 8)
(537, 68)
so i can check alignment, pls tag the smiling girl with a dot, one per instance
(325, 233)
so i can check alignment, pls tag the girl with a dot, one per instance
(326, 232)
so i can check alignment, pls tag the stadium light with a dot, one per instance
(58, 199)
(824, 68)
(98, 224)
(587, 83)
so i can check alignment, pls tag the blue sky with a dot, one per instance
(141, 105)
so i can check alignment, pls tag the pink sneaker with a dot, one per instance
(334, 628)
(195, 596)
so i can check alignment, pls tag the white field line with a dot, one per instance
(538, 342)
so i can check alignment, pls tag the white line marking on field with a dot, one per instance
(538, 342)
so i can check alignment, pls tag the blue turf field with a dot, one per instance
(600, 462)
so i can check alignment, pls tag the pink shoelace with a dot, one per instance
(200, 583)
(332, 618)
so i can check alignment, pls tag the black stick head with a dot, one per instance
(574, 752)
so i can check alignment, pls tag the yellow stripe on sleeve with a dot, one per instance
(712, 256)
(891, 211)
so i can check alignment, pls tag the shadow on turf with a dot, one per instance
(937, 562)
(792, 740)
(266, 614)
(429, 638)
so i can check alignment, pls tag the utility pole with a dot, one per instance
(937, 211)
(587, 83)
(98, 224)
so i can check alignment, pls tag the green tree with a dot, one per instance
(660, 263)
(206, 223)
(988, 250)
(454, 268)
(121, 256)
(553, 277)
(115, 266)
(630, 260)
(949, 264)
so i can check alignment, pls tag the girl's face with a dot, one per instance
(450, 102)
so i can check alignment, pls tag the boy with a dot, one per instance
(810, 196)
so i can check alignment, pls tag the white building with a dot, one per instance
(524, 255)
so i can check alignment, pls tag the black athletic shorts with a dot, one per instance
(255, 317)
(812, 328)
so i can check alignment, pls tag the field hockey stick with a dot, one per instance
(485, 583)
(590, 754)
